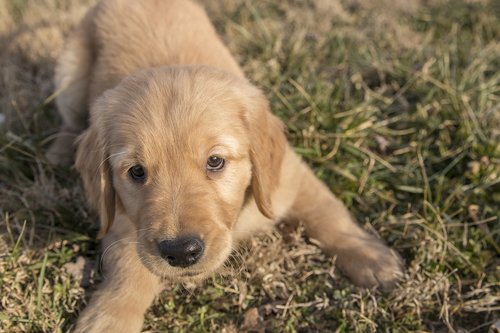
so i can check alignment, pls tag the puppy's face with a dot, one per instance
(180, 153)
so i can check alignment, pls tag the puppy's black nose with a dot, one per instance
(183, 251)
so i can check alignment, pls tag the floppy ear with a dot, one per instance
(93, 165)
(267, 147)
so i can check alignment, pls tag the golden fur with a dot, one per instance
(164, 92)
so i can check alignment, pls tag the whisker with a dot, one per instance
(107, 158)
(108, 248)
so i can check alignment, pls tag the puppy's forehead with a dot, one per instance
(189, 109)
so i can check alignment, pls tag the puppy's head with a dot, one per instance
(180, 151)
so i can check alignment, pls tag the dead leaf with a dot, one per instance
(474, 167)
(473, 210)
(383, 143)
(253, 322)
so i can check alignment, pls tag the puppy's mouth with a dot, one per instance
(191, 274)
(184, 258)
(157, 265)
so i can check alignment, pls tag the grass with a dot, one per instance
(396, 105)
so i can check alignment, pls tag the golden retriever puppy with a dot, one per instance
(181, 157)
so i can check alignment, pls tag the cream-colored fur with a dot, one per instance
(164, 93)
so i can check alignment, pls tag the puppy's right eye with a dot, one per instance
(215, 163)
(137, 173)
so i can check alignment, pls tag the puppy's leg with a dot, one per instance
(125, 294)
(72, 83)
(366, 260)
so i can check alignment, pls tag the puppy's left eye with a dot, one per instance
(137, 173)
(215, 163)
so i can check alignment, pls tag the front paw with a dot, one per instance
(108, 319)
(371, 264)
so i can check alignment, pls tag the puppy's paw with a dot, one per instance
(97, 320)
(371, 264)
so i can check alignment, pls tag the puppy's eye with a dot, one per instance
(137, 173)
(215, 163)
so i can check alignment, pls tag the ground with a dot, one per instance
(396, 106)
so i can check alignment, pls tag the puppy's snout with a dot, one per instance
(183, 251)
